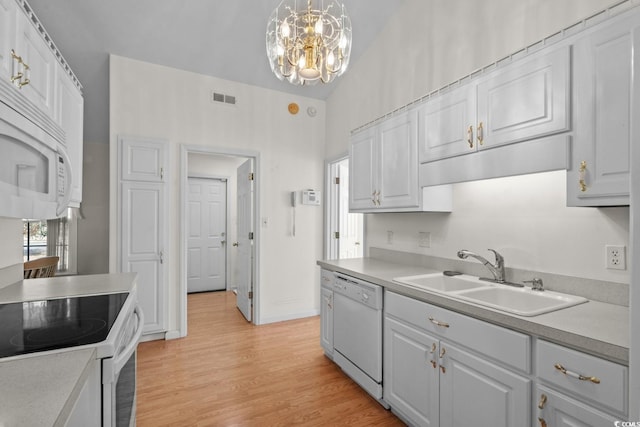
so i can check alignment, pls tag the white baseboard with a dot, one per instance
(172, 335)
(285, 317)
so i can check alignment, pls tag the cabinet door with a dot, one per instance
(447, 125)
(526, 100)
(476, 392)
(411, 373)
(142, 160)
(7, 37)
(326, 319)
(42, 64)
(362, 163)
(142, 246)
(398, 162)
(557, 410)
(69, 113)
(602, 79)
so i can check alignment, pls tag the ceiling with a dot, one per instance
(225, 39)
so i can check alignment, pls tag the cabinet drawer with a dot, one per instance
(611, 392)
(326, 278)
(504, 345)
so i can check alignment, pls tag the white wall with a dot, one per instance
(155, 101)
(524, 218)
(208, 165)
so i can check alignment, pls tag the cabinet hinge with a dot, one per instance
(250, 294)
(251, 176)
(251, 235)
(338, 180)
(336, 234)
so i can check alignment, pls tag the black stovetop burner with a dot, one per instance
(29, 327)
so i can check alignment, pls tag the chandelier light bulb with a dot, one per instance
(308, 43)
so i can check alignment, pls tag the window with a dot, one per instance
(53, 237)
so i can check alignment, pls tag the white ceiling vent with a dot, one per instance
(222, 98)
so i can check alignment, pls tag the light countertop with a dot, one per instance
(595, 327)
(41, 390)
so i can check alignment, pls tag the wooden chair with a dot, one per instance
(41, 267)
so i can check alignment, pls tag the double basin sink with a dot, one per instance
(520, 301)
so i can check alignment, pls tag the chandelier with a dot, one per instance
(307, 45)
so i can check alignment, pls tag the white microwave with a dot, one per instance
(35, 173)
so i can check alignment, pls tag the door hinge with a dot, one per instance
(251, 235)
(336, 234)
(251, 176)
(337, 180)
(250, 294)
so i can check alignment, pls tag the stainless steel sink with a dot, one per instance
(520, 301)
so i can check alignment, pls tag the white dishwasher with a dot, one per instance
(357, 334)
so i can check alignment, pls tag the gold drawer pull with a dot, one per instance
(582, 170)
(542, 401)
(543, 423)
(562, 369)
(437, 322)
(470, 136)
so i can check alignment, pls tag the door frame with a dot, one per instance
(227, 210)
(185, 149)
(331, 212)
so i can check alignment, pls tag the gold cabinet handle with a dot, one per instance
(480, 134)
(583, 172)
(580, 377)
(433, 350)
(373, 198)
(470, 136)
(542, 401)
(542, 422)
(442, 352)
(20, 71)
(438, 323)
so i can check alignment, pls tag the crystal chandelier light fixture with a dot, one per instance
(308, 42)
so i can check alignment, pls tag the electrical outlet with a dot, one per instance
(424, 239)
(615, 257)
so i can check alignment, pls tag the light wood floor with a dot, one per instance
(228, 372)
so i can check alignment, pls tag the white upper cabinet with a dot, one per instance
(384, 165)
(599, 169)
(41, 62)
(7, 36)
(69, 114)
(447, 123)
(526, 99)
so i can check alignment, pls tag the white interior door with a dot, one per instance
(207, 220)
(345, 230)
(350, 224)
(245, 248)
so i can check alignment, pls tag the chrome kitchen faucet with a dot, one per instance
(497, 270)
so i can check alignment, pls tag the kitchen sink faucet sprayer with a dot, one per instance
(497, 270)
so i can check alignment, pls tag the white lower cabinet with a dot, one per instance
(577, 389)
(558, 410)
(431, 379)
(326, 312)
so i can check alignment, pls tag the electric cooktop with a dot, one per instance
(29, 327)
